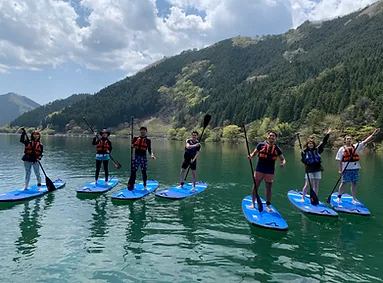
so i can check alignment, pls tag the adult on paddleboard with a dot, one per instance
(192, 150)
(33, 152)
(103, 150)
(268, 152)
(141, 144)
(348, 163)
(310, 157)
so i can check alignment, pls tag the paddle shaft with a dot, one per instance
(315, 200)
(333, 189)
(259, 202)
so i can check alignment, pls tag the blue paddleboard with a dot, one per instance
(264, 219)
(98, 188)
(138, 191)
(185, 191)
(31, 192)
(347, 206)
(306, 206)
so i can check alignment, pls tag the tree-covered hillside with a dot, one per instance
(318, 69)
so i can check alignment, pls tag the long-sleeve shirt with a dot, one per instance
(30, 157)
(140, 152)
(316, 166)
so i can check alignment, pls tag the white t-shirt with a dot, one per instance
(352, 165)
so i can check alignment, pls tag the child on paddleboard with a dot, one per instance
(141, 144)
(192, 150)
(33, 152)
(103, 150)
(310, 157)
(348, 163)
(268, 152)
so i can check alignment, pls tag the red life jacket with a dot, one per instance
(268, 152)
(140, 144)
(103, 147)
(350, 155)
(33, 148)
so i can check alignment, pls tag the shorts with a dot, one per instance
(140, 161)
(259, 176)
(350, 176)
(187, 162)
(314, 175)
(102, 157)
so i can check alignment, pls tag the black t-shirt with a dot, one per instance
(192, 151)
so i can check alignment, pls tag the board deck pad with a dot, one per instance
(346, 205)
(185, 191)
(31, 192)
(138, 191)
(98, 188)
(264, 219)
(295, 198)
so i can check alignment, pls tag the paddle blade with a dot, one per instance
(117, 165)
(51, 187)
(313, 198)
(206, 120)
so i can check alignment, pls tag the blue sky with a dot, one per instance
(52, 49)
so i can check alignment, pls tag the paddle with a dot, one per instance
(48, 182)
(206, 122)
(333, 189)
(259, 202)
(313, 196)
(130, 185)
(116, 163)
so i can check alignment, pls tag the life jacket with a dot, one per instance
(140, 144)
(268, 152)
(102, 146)
(350, 155)
(33, 148)
(312, 157)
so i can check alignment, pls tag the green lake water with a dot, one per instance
(60, 237)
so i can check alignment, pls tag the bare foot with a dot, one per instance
(145, 188)
(39, 188)
(25, 188)
(180, 186)
(302, 199)
(354, 201)
(194, 189)
(269, 209)
(337, 200)
(251, 206)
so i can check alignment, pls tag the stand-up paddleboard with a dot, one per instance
(306, 206)
(185, 191)
(100, 187)
(31, 192)
(347, 206)
(138, 191)
(264, 219)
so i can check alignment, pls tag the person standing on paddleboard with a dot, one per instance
(33, 152)
(141, 144)
(192, 149)
(104, 148)
(312, 160)
(268, 152)
(348, 163)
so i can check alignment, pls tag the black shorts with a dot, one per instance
(187, 162)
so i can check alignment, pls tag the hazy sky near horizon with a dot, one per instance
(51, 49)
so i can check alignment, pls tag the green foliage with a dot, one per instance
(231, 133)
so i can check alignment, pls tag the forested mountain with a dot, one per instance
(13, 105)
(38, 116)
(318, 69)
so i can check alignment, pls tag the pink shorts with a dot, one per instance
(259, 176)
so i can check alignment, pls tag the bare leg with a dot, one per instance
(268, 195)
(316, 186)
(304, 190)
(194, 173)
(182, 176)
(353, 192)
(340, 192)
(254, 193)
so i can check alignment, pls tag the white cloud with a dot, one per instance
(128, 34)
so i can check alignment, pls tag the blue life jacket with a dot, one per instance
(312, 156)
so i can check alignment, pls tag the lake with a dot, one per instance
(60, 237)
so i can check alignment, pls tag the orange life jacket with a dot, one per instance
(103, 146)
(268, 152)
(33, 148)
(350, 155)
(140, 144)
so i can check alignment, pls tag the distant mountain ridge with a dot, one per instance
(13, 105)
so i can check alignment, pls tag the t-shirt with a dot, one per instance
(354, 164)
(264, 165)
(192, 151)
